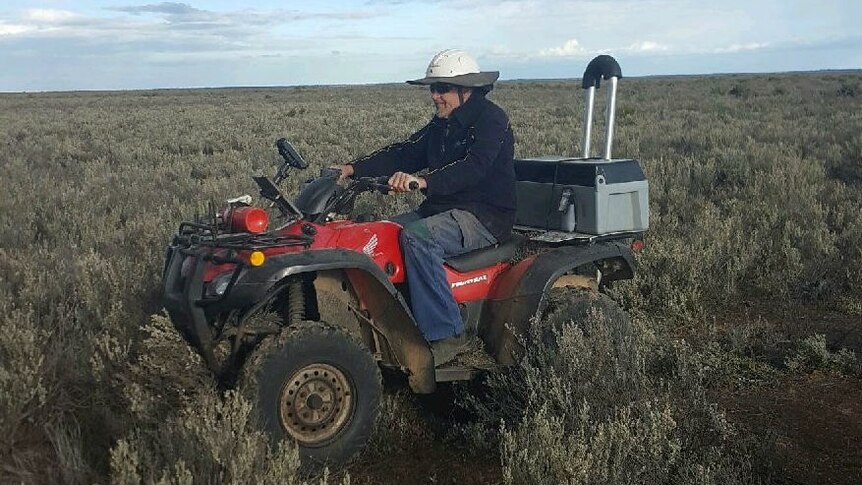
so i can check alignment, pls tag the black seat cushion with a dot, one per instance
(481, 258)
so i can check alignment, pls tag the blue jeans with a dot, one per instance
(425, 243)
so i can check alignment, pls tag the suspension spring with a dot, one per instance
(295, 302)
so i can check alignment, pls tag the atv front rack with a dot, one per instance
(199, 234)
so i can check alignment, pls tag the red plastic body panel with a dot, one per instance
(212, 270)
(474, 285)
(379, 240)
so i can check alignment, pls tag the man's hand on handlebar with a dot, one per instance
(346, 171)
(404, 182)
(398, 182)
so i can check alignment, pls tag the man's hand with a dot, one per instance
(400, 182)
(346, 171)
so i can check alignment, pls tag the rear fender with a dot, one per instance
(519, 294)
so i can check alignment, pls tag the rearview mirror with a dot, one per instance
(289, 154)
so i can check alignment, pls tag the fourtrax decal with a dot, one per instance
(470, 281)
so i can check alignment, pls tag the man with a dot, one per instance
(467, 149)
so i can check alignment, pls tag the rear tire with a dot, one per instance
(315, 385)
(581, 306)
(578, 301)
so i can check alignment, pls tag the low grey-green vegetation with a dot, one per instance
(600, 398)
(756, 202)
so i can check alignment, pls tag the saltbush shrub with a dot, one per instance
(213, 440)
(188, 432)
(596, 399)
(811, 353)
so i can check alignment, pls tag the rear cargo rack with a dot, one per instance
(557, 237)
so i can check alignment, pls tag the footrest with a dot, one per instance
(450, 374)
(472, 361)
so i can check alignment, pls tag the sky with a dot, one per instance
(51, 45)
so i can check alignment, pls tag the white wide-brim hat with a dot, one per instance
(456, 67)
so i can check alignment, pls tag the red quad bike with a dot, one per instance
(303, 316)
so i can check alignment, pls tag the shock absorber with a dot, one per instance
(295, 302)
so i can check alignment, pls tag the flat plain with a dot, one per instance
(741, 363)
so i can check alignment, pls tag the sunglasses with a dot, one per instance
(441, 88)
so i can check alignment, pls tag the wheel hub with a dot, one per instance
(315, 404)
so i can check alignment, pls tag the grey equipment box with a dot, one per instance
(595, 196)
(590, 196)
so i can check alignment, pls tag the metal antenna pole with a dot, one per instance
(609, 117)
(589, 100)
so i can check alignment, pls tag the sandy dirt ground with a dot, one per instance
(815, 421)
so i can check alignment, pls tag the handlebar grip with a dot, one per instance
(330, 173)
(382, 184)
(413, 185)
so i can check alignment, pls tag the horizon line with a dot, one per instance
(503, 81)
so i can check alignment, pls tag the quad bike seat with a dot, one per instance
(481, 258)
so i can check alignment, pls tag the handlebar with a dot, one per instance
(381, 184)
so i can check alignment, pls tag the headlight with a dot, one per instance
(218, 285)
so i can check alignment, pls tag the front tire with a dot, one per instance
(315, 385)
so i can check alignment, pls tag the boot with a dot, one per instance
(447, 349)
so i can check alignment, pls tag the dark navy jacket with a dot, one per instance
(469, 158)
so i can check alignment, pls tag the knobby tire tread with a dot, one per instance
(317, 333)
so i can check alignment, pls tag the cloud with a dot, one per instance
(178, 24)
(501, 51)
(183, 13)
(125, 43)
(573, 48)
(647, 46)
(569, 49)
(171, 8)
(185, 17)
(13, 29)
(751, 46)
(48, 16)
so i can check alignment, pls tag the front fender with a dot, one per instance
(257, 284)
(378, 296)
